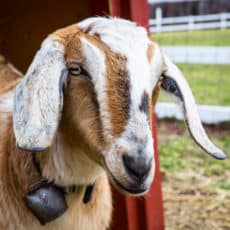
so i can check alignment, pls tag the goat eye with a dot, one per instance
(76, 70)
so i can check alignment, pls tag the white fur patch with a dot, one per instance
(95, 65)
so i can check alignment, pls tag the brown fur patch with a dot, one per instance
(65, 35)
(9, 87)
(74, 51)
(9, 76)
(16, 172)
(118, 91)
(2, 60)
(81, 124)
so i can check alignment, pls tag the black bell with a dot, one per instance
(46, 202)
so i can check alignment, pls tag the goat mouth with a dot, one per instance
(131, 190)
(136, 191)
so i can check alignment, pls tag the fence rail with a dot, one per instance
(169, 24)
(209, 114)
(198, 54)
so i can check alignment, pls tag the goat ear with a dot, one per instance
(174, 83)
(38, 98)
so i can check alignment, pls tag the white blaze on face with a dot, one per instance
(95, 65)
(131, 41)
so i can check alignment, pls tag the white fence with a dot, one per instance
(198, 54)
(208, 114)
(200, 22)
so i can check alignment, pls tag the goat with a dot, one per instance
(84, 106)
(9, 75)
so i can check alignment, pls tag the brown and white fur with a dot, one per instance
(85, 106)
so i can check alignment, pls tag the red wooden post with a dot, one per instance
(136, 10)
(144, 213)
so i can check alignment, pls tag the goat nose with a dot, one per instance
(137, 167)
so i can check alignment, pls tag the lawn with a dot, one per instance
(196, 187)
(210, 83)
(178, 151)
(194, 38)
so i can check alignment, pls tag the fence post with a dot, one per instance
(223, 21)
(158, 19)
(191, 23)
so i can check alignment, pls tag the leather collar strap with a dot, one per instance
(65, 189)
(46, 200)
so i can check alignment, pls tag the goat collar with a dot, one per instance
(65, 189)
(46, 200)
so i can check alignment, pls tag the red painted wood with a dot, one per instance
(143, 213)
(139, 11)
(120, 215)
(136, 213)
(132, 213)
(120, 8)
(136, 10)
(153, 200)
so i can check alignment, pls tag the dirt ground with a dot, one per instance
(191, 201)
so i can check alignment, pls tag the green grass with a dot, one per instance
(225, 186)
(210, 83)
(195, 38)
(180, 152)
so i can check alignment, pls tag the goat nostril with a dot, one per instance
(136, 167)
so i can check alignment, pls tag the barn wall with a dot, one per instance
(25, 23)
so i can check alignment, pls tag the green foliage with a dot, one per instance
(180, 152)
(225, 186)
(209, 83)
(194, 38)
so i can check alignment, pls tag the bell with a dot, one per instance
(46, 201)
